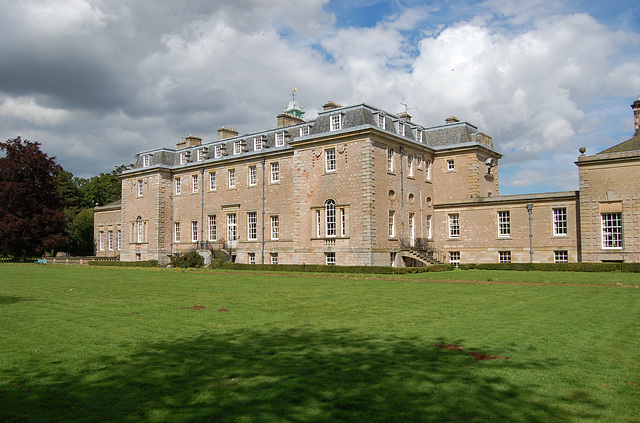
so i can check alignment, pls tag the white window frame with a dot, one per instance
(257, 144)
(401, 128)
(611, 231)
(390, 160)
(275, 172)
(237, 147)
(330, 259)
(335, 122)
(200, 154)
(195, 183)
(419, 135)
(451, 165)
(212, 222)
(454, 225)
(318, 224)
(410, 165)
(454, 258)
(194, 231)
(504, 224)
(427, 169)
(330, 159)
(504, 256)
(275, 227)
(178, 184)
(279, 139)
(343, 222)
(110, 240)
(119, 239)
(252, 258)
(253, 175)
(140, 230)
(381, 121)
(176, 231)
(274, 258)
(232, 226)
(252, 226)
(561, 256)
(392, 223)
(183, 158)
(560, 221)
(146, 160)
(330, 218)
(212, 181)
(140, 189)
(232, 177)
(101, 241)
(217, 151)
(304, 131)
(429, 226)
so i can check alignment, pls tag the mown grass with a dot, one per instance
(112, 344)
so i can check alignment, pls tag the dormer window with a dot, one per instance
(146, 159)
(304, 131)
(381, 121)
(200, 155)
(183, 158)
(336, 122)
(419, 135)
(401, 128)
(217, 151)
(279, 139)
(257, 144)
(237, 147)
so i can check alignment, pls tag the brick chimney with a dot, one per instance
(190, 141)
(330, 105)
(636, 116)
(226, 132)
(451, 119)
(404, 115)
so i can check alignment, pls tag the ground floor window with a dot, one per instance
(252, 258)
(274, 258)
(561, 256)
(611, 230)
(392, 259)
(330, 259)
(138, 256)
(101, 241)
(504, 256)
(454, 258)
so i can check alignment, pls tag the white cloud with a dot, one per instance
(27, 110)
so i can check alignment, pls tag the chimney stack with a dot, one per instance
(330, 105)
(226, 132)
(190, 141)
(636, 116)
(451, 119)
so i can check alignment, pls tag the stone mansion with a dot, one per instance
(362, 186)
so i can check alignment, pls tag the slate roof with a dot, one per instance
(632, 144)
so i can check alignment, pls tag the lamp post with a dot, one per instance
(530, 209)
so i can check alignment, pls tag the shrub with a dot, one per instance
(114, 263)
(187, 259)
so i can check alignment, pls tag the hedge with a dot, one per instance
(147, 263)
(556, 267)
(319, 268)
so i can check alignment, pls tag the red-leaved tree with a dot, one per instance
(32, 219)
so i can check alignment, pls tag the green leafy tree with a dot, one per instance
(31, 207)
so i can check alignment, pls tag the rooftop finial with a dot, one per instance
(293, 93)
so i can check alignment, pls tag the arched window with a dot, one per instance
(330, 217)
(139, 223)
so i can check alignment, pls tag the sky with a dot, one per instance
(97, 81)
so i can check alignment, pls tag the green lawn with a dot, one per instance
(117, 344)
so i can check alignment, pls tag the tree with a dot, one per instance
(31, 207)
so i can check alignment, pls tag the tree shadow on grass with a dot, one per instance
(289, 376)
(11, 299)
